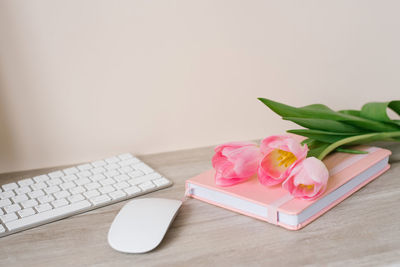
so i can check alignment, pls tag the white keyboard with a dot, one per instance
(56, 195)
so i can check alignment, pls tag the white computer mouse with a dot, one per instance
(141, 224)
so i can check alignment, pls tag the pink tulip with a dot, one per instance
(281, 153)
(235, 162)
(307, 179)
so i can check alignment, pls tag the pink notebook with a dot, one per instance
(348, 173)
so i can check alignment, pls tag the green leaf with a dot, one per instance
(322, 112)
(318, 107)
(322, 136)
(375, 111)
(352, 112)
(315, 111)
(311, 131)
(357, 113)
(307, 141)
(351, 151)
(378, 111)
(317, 150)
(311, 143)
(359, 139)
(322, 124)
(395, 106)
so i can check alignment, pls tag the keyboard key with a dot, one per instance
(10, 186)
(98, 170)
(84, 174)
(41, 178)
(25, 182)
(122, 177)
(111, 173)
(67, 185)
(19, 198)
(97, 177)
(125, 156)
(132, 190)
(112, 160)
(8, 217)
(92, 193)
(5, 202)
(56, 174)
(7, 194)
(29, 203)
(1, 212)
(147, 186)
(12, 208)
(55, 181)
(136, 174)
(92, 186)
(121, 185)
(43, 207)
(85, 167)
(129, 162)
(119, 194)
(36, 193)
(59, 203)
(61, 194)
(45, 199)
(26, 212)
(82, 181)
(145, 178)
(77, 190)
(48, 215)
(52, 189)
(75, 198)
(69, 178)
(69, 171)
(106, 189)
(107, 181)
(161, 182)
(99, 163)
(22, 190)
(2, 229)
(112, 166)
(100, 200)
(39, 185)
(126, 169)
(144, 168)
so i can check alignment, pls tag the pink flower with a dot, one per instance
(281, 153)
(235, 162)
(307, 179)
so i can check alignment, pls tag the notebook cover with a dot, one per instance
(342, 167)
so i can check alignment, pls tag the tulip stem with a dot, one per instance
(358, 139)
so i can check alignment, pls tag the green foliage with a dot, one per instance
(328, 130)
(323, 136)
(323, 112)
(324, 124)
(351, 151)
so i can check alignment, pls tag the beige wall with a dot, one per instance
(84, 79)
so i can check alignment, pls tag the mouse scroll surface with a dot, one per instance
(141, 224)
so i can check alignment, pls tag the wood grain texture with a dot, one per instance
(363, 230)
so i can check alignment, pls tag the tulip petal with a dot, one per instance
(235, 162)
(307, 179)
(281, 152)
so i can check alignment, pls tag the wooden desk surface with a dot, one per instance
(362, 230)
